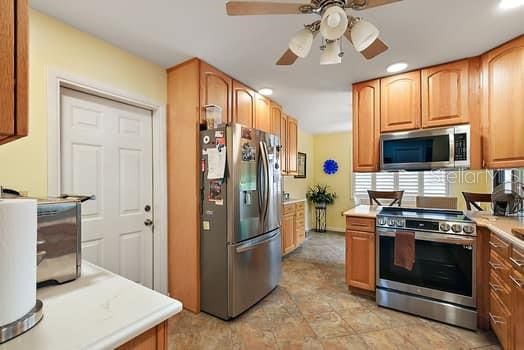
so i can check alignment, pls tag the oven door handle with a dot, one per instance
(432, 237)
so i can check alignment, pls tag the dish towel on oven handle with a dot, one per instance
(405, 250)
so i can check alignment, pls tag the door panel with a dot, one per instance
(215, 89)
(366, 126)
(107, 151)
(400, 102)
(7, 69)
(503, 106)
(283, 144)
(243, 105)
(292, 146)
(445, 92)
(262, 113)
(255, 271)
(276, 115)
(360, 260)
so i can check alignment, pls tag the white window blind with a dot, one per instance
(413, 184)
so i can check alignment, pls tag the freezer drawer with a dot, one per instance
(255, 268)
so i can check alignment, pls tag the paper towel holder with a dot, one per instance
(24, 324)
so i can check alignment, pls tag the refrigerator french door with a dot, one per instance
(240, 240)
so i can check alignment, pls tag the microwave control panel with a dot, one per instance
(461, 147)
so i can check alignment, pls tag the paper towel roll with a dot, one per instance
(18, 224)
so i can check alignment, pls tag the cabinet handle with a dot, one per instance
(495, 266)
(496, 287)
(494, 245)
(517, 263)
(359, 225)
(496, 319)
(518, 283)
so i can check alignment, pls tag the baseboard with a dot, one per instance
(331, 229)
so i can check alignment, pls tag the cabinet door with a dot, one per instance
(400, 102)
(502, 105)
(215, 89)
(288, 233)
(518, 310)
(13, 70)
(292, 146)
(283, 143)
(262, 113)
(300, 224)
(366, 126)
(360, 260)
(276, 116)
(445, 95)
(243, 104)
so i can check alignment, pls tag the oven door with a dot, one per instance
(444, 267)
(418, 150)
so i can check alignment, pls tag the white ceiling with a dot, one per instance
(419, 32)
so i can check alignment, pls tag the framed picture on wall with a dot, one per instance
(301, 165)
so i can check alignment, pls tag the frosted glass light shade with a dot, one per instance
(331, 54)
(363, 34)
(334, 23)
(301, 43)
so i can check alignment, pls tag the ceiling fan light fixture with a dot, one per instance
(334, 23)
(301, 43)
(331, 53)
(363, 34)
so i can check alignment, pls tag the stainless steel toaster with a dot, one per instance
(59, 240)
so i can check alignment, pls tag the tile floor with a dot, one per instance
(313, 309)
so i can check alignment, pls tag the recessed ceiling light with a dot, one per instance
(397, 67)
(510, 4)
(266, 91)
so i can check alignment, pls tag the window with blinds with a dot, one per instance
(413, 184)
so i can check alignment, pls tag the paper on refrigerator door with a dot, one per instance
(216, 163)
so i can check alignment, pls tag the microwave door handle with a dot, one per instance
(452, 147)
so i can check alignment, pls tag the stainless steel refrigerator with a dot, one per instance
(241, 201)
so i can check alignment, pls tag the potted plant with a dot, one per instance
(320, 196)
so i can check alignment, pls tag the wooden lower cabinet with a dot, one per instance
(518, 309)
(360, 254)
(153, 339)
(293, 227)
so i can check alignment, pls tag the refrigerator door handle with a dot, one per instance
(259, 181)
(266, 178)
(255, 243)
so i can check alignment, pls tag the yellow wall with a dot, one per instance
(336, 146)
(469, 181)
(297, 188)
(55, 45)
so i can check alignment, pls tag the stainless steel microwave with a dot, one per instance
(443, 148)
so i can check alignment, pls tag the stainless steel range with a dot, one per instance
(441, 285)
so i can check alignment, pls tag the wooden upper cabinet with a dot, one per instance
(445, 95)
(292, 146)
(366, 126)
(216, 88)
(243, 104)
(276, 116)
(400, 102)
(13, 70)
(283, 144)
(262, 113)
(503, 105)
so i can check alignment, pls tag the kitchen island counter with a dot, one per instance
(100, 310)
(364, 211)
(501, 225)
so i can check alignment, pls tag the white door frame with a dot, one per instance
(58, 79)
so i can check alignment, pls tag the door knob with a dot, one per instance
(148, 222)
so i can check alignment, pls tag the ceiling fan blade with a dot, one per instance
(363, 5)
(378, 47)
(249, 8)
(287, 59)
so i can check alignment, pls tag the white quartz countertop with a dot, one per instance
(293, 200)
(100, 310)
(364, 211)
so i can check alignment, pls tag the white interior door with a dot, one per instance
(106, 150)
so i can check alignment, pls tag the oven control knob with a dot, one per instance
(382, 221)
(391, 222)
(400, 222)
(468, 229)
(445, 227)
(456, 228)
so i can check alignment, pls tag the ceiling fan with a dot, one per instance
(334, 23)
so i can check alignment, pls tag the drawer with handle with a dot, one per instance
(500, 288)
(354, 223)
(517, 259)
(498, 245)
(499, 319)
(289, 209)
(516, 280)
(499, 266)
